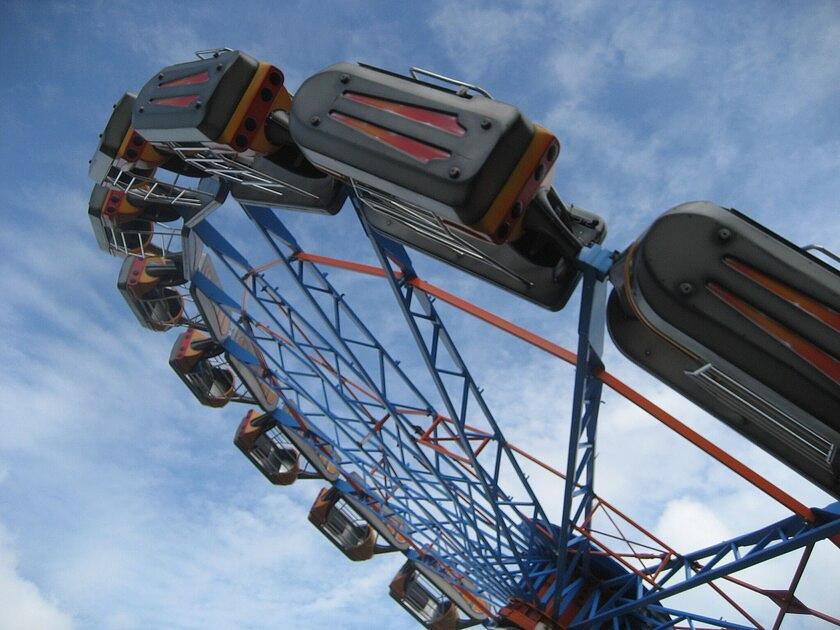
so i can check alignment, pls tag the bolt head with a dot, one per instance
(315, 121)
(686, 288)
(485, 123)
(344, 78)
(454, 172)
(724, 234)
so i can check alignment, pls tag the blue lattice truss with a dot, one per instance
(470, 505)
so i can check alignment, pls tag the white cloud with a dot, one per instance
(689, 524)
(22, 604)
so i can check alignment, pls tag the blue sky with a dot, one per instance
(123, 503)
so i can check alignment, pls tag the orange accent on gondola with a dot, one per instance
(447, 123)
(806, 350)
(420, 151)
(814, 308)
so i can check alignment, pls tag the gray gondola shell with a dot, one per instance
(743, 323)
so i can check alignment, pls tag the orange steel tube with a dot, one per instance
(608, 379)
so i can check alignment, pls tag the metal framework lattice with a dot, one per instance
(458, 488)
(411, 448)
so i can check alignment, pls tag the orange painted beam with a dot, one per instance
(621, 388)
(370, 270)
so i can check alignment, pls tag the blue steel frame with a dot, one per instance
(594, 263)
(469, 523)
(703, 566)
(488, 542)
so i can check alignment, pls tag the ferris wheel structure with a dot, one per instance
(410, 457)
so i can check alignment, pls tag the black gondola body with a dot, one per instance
(212, 385)
(124, 224)
(147, 284)
(237, 107)
(433, 600)
(277, 462)
(342, 526)
(221, 101)
(353, 520)
(462, 177)
(743, 323)
(286, 179)
(121, 147)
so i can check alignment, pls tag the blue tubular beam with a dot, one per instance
(580, 475)
(677, 616)
(456, 398)
(747, 550)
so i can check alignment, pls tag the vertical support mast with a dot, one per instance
(579, 490)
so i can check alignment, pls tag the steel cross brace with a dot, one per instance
(633, 591)
(578, 493)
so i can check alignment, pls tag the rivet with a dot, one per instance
(344, 78)
(454, 172)
(485, 123)
(724, 234)
(686, 288)
(315, 121)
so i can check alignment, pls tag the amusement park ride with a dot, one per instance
(729, 314)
